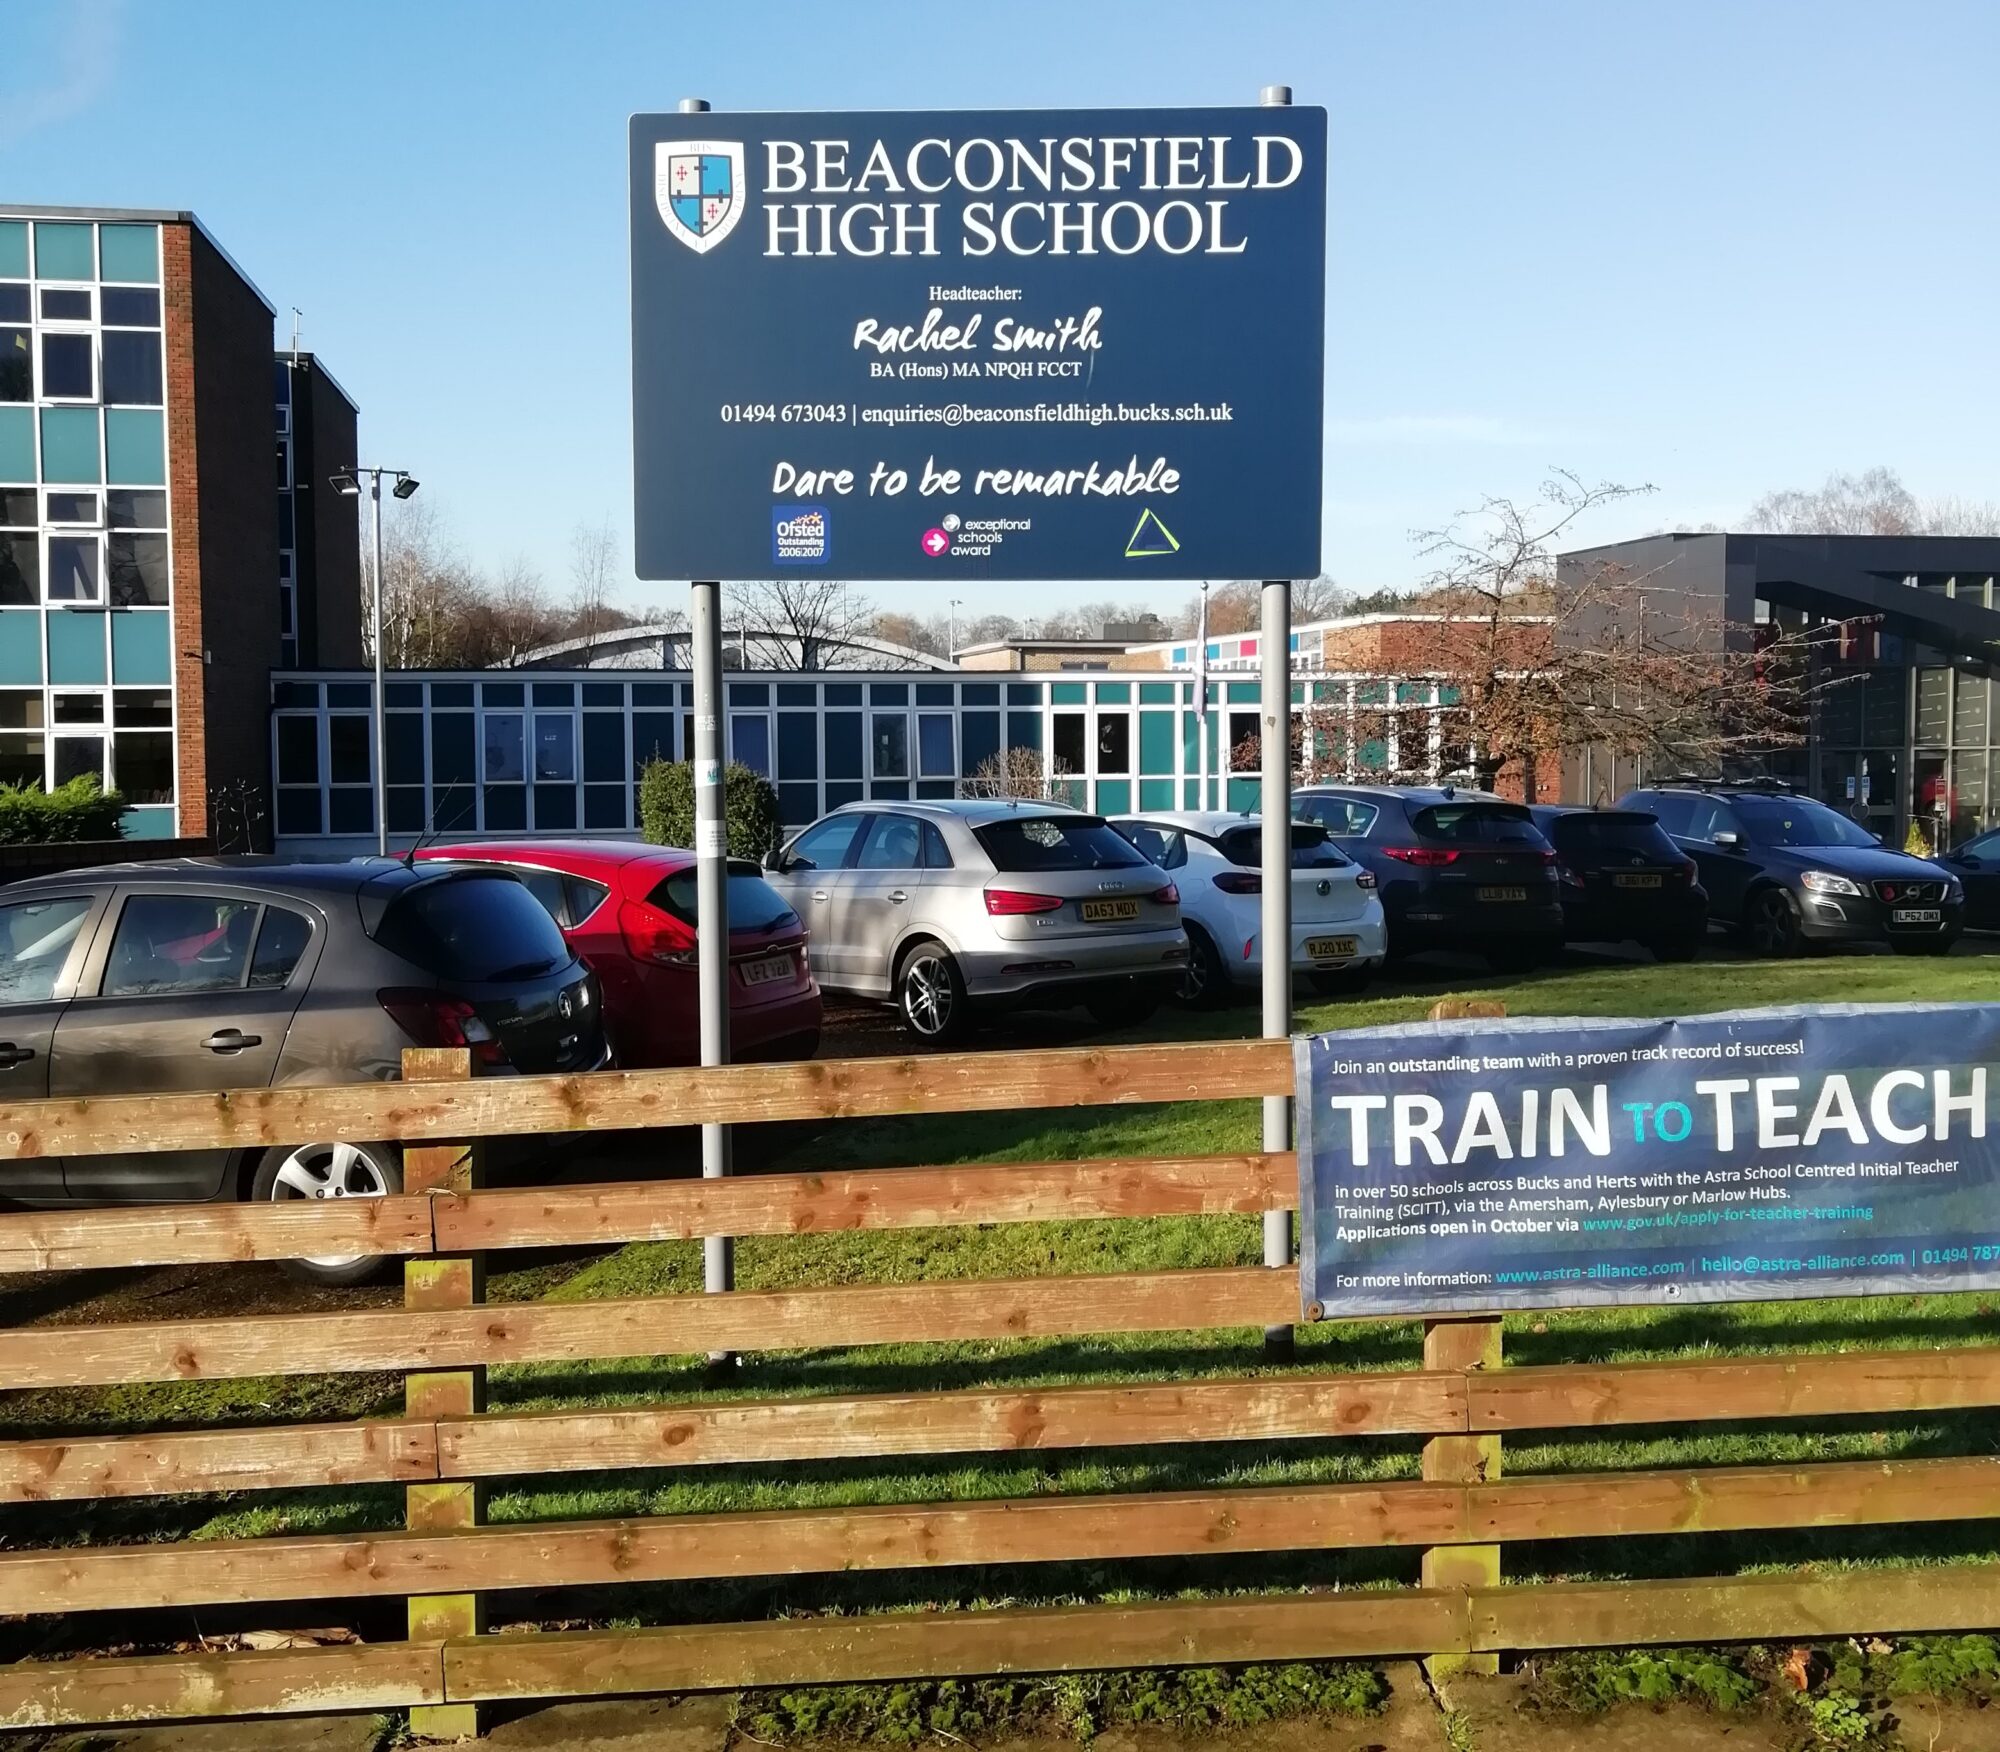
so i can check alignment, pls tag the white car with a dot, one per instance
(1214, 857)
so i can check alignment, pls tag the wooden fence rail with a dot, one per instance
(1455, 1506)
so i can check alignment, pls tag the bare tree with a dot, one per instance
(1238, 606)
(1529, 666)
(814, 616)
(1874, 502)
(593, 574)
(928, 633)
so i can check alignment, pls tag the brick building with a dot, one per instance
(142, 591)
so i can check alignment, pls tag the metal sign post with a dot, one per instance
(1275, 806)
(711, 850)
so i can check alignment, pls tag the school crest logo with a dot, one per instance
(698, 187)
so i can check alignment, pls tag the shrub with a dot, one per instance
(1017, 772)
(79, 810)
(749, 801)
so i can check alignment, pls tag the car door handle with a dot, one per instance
(231, 1040)
(12, 1055)
(898, 896)
(819, 894)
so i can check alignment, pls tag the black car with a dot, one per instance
(1623, 880)
(1787, 871)
(1976, 864)
(1457, 869)
(189, 975)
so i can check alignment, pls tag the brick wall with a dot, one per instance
(237, 493)
(191, 740)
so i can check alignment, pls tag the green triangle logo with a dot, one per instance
(1150, 538)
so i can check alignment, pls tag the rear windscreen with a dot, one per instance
(1627, 832)
(754, 905)
(1055, 842)
(1311, 849)
(1478, 824)
(473, 928)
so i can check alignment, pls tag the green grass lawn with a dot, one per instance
(1022, 1250)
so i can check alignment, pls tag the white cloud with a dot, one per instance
(1432, 429)
(85, 51)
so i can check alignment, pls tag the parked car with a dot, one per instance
(189, 975)
(1457, 869)
(1216, 858)
(1787, 872)
(1623, 880)
(1976, 864)
(949, 909)
(628, 911)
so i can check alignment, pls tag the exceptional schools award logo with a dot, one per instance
(698, 187)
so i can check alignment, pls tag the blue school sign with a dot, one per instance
(1012, 344)
(1474, 1166)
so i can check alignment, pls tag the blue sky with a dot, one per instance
(1720, 247)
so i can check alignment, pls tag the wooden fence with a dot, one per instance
(447, 1447)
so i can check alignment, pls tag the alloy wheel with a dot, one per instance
(323, 1171)
(927, 996)
(1773, 928)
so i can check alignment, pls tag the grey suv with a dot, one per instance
(949, 908)
(188, 975)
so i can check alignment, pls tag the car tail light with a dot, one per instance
(1365, 879)
(1239, 882)
(1167, 896)
(653, 935)
(1687, 871)
(1007, 903)
(1424, 857)
(1548, 857)
(433, 1019)
(1570, 876)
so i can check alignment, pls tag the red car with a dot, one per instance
(628, 910)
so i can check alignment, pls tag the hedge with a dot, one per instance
(749, 800)
(79, 810)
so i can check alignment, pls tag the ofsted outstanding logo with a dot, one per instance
(801, 535)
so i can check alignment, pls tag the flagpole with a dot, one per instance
(1201, 701)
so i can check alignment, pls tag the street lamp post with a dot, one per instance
(348, 484)
(951, 640)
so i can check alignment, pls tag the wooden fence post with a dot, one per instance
(457, 1281)
(1460, 1345)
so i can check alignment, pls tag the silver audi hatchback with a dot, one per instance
(950, 909)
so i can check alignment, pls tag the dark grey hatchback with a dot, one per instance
(185, 975)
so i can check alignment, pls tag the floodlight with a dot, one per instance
(405, 486)
(345, 485)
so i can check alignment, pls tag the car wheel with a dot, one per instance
(1340, 985)
(930, 997)
(1676, 948)
(1204, 984)
(1123, 1010)
(331, 1171)
(1771, 923)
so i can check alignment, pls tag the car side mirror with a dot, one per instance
(1964, 860)
(775, 861)
(1729, 842)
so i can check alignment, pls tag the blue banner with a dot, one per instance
(1071, 344)
(1759, 1154)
